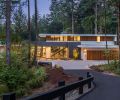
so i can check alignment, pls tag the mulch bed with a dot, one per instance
(97, 68)
(55, 75)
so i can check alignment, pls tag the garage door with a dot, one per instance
(100, 55)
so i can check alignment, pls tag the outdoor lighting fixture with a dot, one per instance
(98, 38)
(61, 38)
(85, 50)
(78, 38)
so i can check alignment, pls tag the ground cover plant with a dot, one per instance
(18, 77)
(112, 67)
(25, 81)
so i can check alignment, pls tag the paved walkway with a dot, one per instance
(76, 64)
(107, 86)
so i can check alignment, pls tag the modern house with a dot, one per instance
(78, 46)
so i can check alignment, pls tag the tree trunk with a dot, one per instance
(36, 32)
(73, 17)
(29, 31)
(96, 18)
(119, 29)
(106, 30)
(8, 22)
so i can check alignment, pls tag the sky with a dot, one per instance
(43, 7)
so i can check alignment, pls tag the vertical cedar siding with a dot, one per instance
(82, 38)
(88, 38)
(70, 38)
(99, 55)
(103, 38)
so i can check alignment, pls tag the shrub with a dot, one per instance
(18, 77)
(112, 67)
(39, 78)
(35, 83)
(40, 72)
(3, 88)
(15, 78)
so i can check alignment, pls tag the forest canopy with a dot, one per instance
(66, 16)
(82, 16)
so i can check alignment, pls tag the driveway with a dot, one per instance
(107, 86)
(76, 64)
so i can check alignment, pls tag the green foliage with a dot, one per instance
(2, 42)
(55, 27)
(20, 23)
(60, 18)
(88, 23)
(44, 25)
(35, 83)
(40, 77)
(107, 53)
(40, 72)
(84, 13)
(113, 67)
(18, 77)
(3, 88)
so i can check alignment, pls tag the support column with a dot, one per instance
(84, 54)
(48, 52)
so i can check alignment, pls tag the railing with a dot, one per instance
(58, 92)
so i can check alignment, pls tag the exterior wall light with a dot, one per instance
(98, 38)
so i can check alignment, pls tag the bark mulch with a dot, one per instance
(54, 76)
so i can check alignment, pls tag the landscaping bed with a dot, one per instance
(111, 68)
(54, 75)
(28, 81)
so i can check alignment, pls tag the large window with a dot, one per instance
(59, 52)
(51, 52)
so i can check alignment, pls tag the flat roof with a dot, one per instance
(98, 47)
(43, 35)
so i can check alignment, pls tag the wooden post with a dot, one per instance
(81, 87)
(61, 83)
(9, 96)
(88, 74)
(89, 83)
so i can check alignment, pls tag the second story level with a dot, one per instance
(78, 37)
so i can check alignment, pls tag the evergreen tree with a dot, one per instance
(20, 23)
